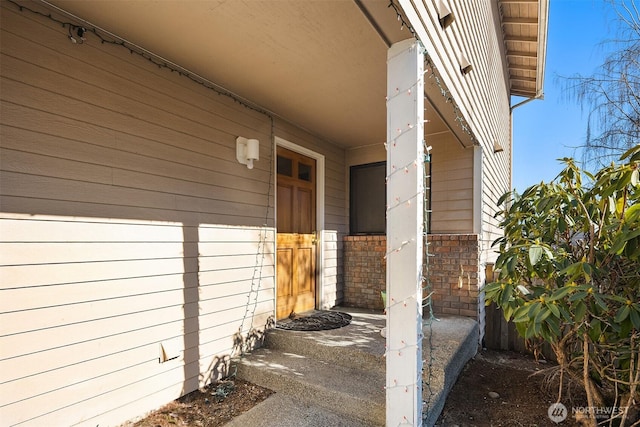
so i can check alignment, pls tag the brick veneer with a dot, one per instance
(453, 272)
(364, 271)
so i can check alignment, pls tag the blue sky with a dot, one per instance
(546, 130)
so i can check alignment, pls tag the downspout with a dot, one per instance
(520, 104)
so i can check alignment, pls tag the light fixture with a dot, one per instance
(465, 65)
(445, 15)
(497, 148)
(247, 150)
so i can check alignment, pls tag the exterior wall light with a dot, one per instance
(247, 150)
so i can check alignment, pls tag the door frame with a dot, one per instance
(320, 178)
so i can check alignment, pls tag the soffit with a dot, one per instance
(524, 25)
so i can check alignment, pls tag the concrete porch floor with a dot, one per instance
(337, 377)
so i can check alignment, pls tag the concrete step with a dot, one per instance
(341, 373)
(447, 346)
(358, 344)
(352, 392)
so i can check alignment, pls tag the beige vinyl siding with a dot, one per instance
(496, 166)
(482, 95)
(79, 320)
(127, 223)
(332, 291)
(451, 186)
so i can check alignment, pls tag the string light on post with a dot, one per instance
(430, 72)
(405, 189)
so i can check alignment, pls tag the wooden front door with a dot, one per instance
(296, 253)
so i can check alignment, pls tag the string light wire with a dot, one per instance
(431, 73)
(256, 278)
(107, 37)
(431, 70)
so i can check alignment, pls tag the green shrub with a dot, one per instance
(569, 273)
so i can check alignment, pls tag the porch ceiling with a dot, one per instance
(319, 64)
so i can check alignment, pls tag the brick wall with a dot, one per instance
(364, 271)
(453, 272)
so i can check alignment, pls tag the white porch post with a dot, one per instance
(405, 168)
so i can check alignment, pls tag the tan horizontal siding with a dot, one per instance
(77, 230)
(109, 70)
(333, 291)
(482, 95)
(451, 226)
(55, 408)
(451, 186)
(64, 337)
(17, 319)
(126, 157)
(127, 222)
(65, 208)
(115, 337)
(58, 327)
(107, 338)
(13, 254)
(73, 293)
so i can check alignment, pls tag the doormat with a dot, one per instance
(318, 321)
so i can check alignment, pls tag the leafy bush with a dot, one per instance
(569, 273)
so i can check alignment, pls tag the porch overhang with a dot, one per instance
(319, 65)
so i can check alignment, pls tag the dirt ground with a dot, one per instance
(503, 389)
(212, 406)
(495, 389)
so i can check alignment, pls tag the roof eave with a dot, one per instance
(543, 21)
(524, 25)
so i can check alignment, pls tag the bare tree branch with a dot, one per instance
(611, 95)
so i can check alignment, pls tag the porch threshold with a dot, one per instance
(337, 377)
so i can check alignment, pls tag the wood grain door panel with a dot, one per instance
(285, 280)
(296, 238)
(285, 211)
(296, 273)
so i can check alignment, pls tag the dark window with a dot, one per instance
(368, 196)
(285, 166)
(304, 172)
